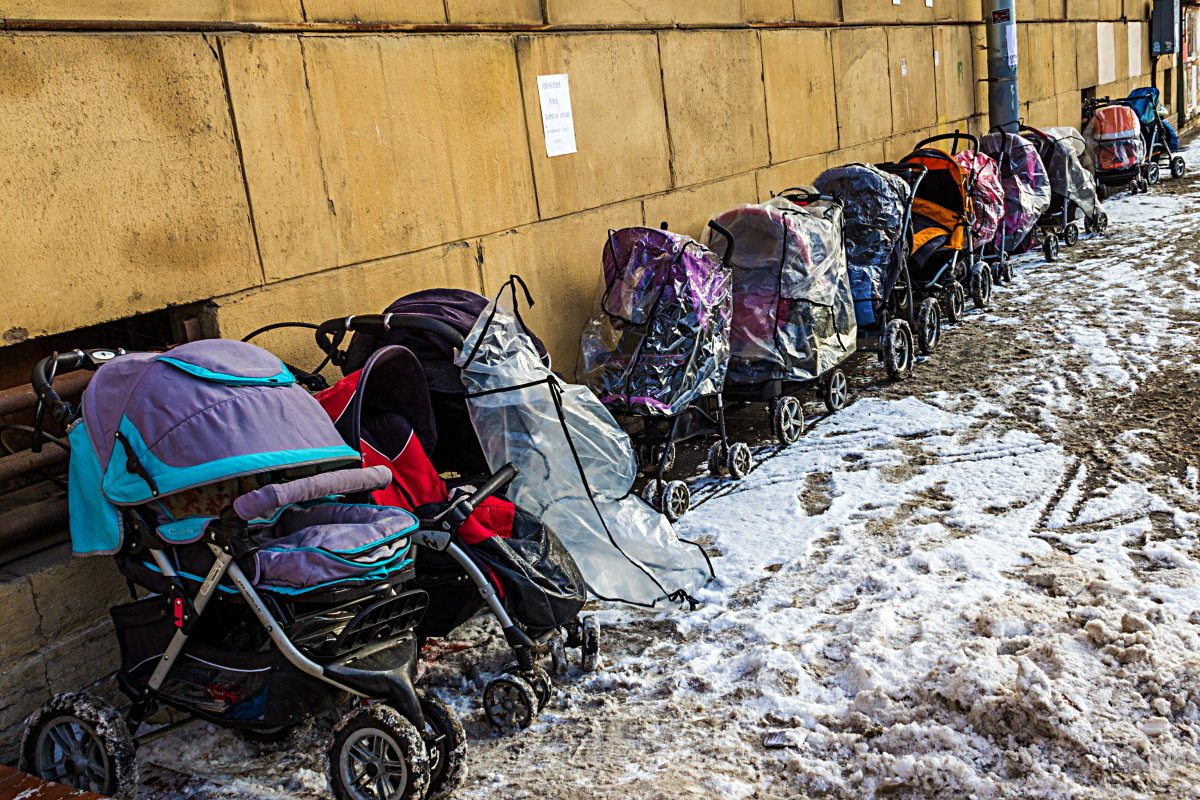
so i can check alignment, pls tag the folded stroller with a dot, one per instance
(213, 479)
(987, 205)
(1072, 187)
(877, 209)
(942, 258)
(1115, 146)
(793, 324)
(1145, 103)
(657, 352)
(1026, 192)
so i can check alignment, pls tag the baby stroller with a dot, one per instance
(1026, 193)
(987, 205)
(271, 601)
(793, 314)
(1115, 146)
(877, 208)
(1145, 103)
(942, 256)
(658, 351)
(1072, 187)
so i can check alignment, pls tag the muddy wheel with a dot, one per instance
(716, 460)
(676, 500)
(1050, 248)
(652, 493)
(539, 679)
(954, 301)
(1178, 167)
(509, 702)
(445, 746)
(1101, 191)
(558, 655)
(377, 754)
(787, 420)
(1071, 235)
(835, 390)
(897, 349)
(929, 325)
(81, 741)
(1153, 173)
(1006, 268)
(1101, 222)
(737, 460)
(981, 286)
(589, 649)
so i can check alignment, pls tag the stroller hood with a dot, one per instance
(158, 423)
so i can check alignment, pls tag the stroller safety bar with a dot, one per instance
(330, 333)
(261, 503)
(956, 137)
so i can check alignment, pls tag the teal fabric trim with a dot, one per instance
(184, 531)
(96, 526)
(333, 556)
(125, 488)
(374, 575)
(282, 378)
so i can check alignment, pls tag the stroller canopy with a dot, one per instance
(793, 312)
(661, 338)
(987, 194)
(1144, 102)
(941, 204)
(1060, 149)
(156, 424)
(873, 205)
(1026, 187)
(1114, 139)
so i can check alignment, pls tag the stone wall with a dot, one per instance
(307, 160)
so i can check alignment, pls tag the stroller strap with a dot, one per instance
(262, 503)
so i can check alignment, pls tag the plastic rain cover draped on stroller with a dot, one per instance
(793, 313)
(1026, 187)
(987, 192)
(873, 204)
(577, 468)
(1068, 177)
(661, 338)
(1114, 139)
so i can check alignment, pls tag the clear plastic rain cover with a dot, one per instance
(1068, 177)
(1114, 139)
(1026, 186)
(987, 194)
(793, 312)
(661, 338)
(577, 467)
(874, 205)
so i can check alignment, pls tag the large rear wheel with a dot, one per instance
(377, 754)
(81, 741)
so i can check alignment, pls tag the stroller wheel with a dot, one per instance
(787, 424)
(509, 702)
(955, 301)
(652, 493)
(716, 460)
(1004, 269)
(377, 754)
(897, 349)
(1153, 173)
(835, 390)
(558, 655)
(538, 678)
(1050, 248)
(929, 325)
(1071, 235)
(1178, 167)
(981, 286)
(1101, 222)
(657, 457)
(82, 741)
(589, 651)
(676, 499)
(737, 460)
(445, 745)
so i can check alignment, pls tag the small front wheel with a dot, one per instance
(897, 349)
(835, 390)
(738, 460)
(1050, 248)
(1153, 173)
(716, 460)
(929, 325)
(1101, 222)
(377, 754)
(981, 286)
(787, 420)
(1071, 235)
(81, 741)
(676, 500)
(1178, 167)
(955, 302)
(589, 649)
(509, 702)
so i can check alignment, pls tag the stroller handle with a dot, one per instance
(956, 137)
(802, 196)
(330, 333)
(729, 241)
(42, 381)
(462, 508)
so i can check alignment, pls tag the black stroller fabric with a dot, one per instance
(876, 245)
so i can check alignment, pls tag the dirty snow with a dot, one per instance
(987, 589)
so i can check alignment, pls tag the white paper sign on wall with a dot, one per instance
(557, 122)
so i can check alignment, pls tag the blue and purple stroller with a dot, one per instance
(657, 352)
(277, 589)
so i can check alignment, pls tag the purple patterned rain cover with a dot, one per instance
(661, 339)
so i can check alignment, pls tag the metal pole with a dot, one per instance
(1003, 106)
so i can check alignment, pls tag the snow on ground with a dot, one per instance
(979, 583)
